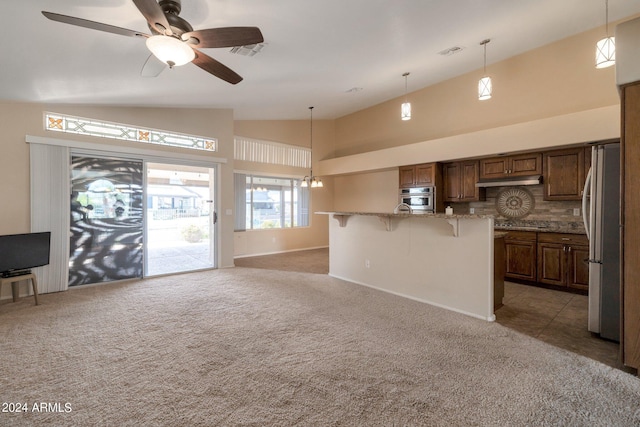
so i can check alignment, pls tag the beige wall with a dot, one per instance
(552, 80)
(294, 132)
(18, 120)
(548, 97)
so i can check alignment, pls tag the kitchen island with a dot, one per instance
(443, 260)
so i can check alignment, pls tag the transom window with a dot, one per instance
(78, 125)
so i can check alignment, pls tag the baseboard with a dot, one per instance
(279, 252)
(490, 318)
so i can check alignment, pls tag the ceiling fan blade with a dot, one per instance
(224, 37)
(152, 67)
(216, 68)
(154, 14)
(92, 25)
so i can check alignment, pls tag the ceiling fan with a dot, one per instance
(173, 41)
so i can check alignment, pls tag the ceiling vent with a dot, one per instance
(248, 50)
(450, 51)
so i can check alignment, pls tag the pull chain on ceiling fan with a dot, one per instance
(173, 41)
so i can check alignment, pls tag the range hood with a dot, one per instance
(521, 180)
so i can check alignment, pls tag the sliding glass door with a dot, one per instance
(118, 231)
(106, 219)
(180, 218)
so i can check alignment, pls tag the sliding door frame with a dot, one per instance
(84, 148)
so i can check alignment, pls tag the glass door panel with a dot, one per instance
(180, 218)
(106, 220)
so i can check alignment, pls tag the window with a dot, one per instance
(270, 202)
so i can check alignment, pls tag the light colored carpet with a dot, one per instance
(306, 261)
(261, 347)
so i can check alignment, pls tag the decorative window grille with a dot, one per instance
(275, 153)
(69, 124)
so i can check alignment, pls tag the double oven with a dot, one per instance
(421, 199)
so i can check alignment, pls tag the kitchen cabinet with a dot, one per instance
(564, 174)
(422, 175)
(528, 164)
(520, 255)
(630, 255)
(460, 180)
(563, 260)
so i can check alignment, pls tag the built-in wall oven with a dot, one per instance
(420, 199)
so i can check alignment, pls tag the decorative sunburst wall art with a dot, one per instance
(514, 202)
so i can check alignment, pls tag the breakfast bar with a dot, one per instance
(443, 260)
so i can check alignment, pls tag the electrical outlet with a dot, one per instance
(472, 211)
(576, 211)
(367, 263)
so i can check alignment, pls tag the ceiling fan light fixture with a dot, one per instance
(170, 50)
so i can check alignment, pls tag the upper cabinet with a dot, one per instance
(460, 180)
(511, 166)
(564, 174)
(423, 175)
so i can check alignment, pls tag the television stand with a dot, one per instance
(14, 284)
(15, 273)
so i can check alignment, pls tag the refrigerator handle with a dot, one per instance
(586, 195)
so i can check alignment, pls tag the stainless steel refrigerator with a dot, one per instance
(601, 212)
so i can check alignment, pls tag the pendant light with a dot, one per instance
(405, 110)
(311, 181)
(484, 85)
(606, 48)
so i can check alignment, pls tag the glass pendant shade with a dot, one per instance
(304, 184)
(406, 111)
(606, 52)
(484, 88)
(170, 50)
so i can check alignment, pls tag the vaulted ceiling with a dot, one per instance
(338, 55)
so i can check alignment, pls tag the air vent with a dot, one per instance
(450, 51)
(248, 50)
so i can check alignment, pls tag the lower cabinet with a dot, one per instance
(563, 260)
(520, 255)
(551, 258)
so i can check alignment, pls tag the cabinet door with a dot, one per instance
(469, 178)
(525, 164)
(425, 174)
(564, 174)
(578, 267)
(451, 173)
(493, 168)
(406, 176)
(552, 263)
(520, 259)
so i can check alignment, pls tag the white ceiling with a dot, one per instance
(316, 50)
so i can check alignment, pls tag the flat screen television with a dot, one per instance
(21, 252)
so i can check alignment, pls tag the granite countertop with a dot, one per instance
(540, 226)
(411, 215)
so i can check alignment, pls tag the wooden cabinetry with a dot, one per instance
(418, 175)
(511, 166)
(520, 255)
(564, 174)
(460, 180)
(562, 260)
(630, 154)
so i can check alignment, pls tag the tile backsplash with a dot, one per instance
(543, 210)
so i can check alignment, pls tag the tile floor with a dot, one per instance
(558, 318)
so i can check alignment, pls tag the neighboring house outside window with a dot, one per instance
(264, 202)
